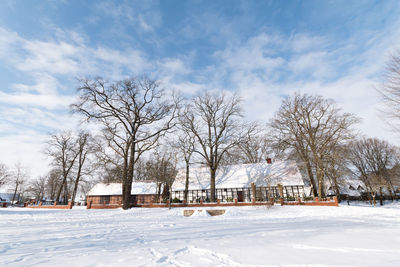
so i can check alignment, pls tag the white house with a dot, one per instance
(234, 181)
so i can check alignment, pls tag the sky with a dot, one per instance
(262, 50)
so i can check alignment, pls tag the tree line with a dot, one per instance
(145, 133)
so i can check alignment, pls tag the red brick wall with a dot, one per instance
(55, 206)
(147, 201)
(117, 200)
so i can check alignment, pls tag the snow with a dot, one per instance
(238, 176)
(285, 236)
(138, 188)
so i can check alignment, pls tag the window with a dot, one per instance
(105, 200)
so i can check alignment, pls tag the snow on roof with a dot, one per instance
(238, 176)
(7, 197)
(352, 187)
(138, 188)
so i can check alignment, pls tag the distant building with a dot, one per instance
(6, 199)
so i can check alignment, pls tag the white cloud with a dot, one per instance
(318, 64)
(45, 84)
(174, 66)
(26, 148)
(187, 88)
(51, 57)
(39, 100)
(302, 42)
(7, 39)
(266, 68)
(140, 15)
(256, 54)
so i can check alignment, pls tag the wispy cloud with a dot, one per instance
(131, 14)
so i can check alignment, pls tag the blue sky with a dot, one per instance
(263, 50)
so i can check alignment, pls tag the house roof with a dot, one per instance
(352, 187)
(7, 197)
(242, 175)
(106, 189)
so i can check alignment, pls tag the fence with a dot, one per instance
(243, 194)
(54, 206)
(331, 201)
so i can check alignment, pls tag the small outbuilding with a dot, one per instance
(6, 199)
(111, 193)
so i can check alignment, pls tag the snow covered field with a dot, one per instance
(345, 235)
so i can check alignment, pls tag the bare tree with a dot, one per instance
(335, 168)
(108, 166)
(37, 188)
(83, 149)
(134, 113)
(18, 178)
(372, 160)
(213, 120)
(378, 182)
(311, 126)
(390, 91)
(185, 145)
(61, 148)
(53, 180)
(256, 145)
(161, 169)
(4, 174)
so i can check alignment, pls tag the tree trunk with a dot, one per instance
(64, 181)
(15, 193)
(337, 191)
(369, 193)
(78, 176)
(212, 185)
(75, 189)
(166, 192)
(380, 196)
(391, 190)
(126, 195)
(58, 195)
(127, 182)
(187, 182)
(159, 192)
(66, 193)
(312, 181)
(373, 198)
(82, 158)
(170, 197)
(320, 178)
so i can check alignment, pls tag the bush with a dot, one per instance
(290, 199)
(308, 198)
(229, 199)
(176, 200)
